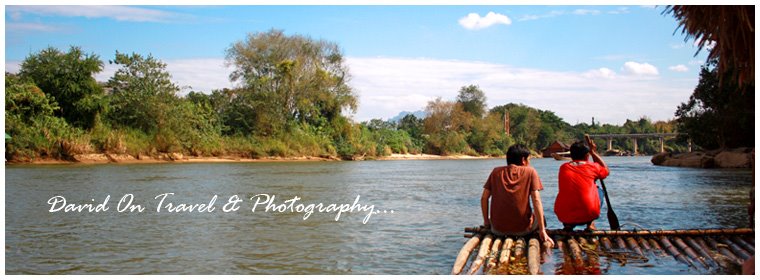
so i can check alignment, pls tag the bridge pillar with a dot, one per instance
(689, 142)
(635, 147)
(609, 144)
(662, 144)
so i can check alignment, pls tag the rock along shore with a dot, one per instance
(722, 158)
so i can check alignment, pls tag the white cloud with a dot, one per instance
(547, 15)
(604, 73)
(584, 12)
(387, 86)
(473, 21)
(640, 69)
(120, 13)
(696, 62)
(33, 27)
(618, 11)
(677, 46)
(679, 68)
(709, 45)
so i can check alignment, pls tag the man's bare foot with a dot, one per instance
(591, 227)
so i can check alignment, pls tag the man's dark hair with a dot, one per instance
(578, 150)
(516, 153)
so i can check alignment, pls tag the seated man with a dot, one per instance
(578, 201)
(511, 188)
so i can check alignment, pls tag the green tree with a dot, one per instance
(142, 92)
(473, 100)
(286, 79)
(68, 77)
(718, 116)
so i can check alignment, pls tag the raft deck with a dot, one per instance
(698, 248)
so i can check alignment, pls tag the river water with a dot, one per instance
(416, 225)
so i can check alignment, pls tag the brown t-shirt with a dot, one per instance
(510, 188)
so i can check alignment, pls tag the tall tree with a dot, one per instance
(718, 116)
(290, 79)
(68, 78)
(473, 100)
(142, 92)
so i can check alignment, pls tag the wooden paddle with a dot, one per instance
(611, 217)
(614, 223)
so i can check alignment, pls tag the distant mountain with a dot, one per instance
(419, 114)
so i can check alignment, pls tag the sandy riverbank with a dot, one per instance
(179, 158)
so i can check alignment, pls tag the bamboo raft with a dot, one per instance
(702, 249)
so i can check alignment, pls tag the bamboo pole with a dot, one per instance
(682, 232)
(566, 267)
(723, 249)
(519, 248)
(673, 251)
(744, 245)
(484, 247)
(534, 256)
(575, 252)
(505, 251)
(606, 243)
(620, 243)
(492, 256)
(464, 254)
(656, 247)
(643, 242)
(743, 254)
(689, 251)
(634, 245)
(702, 250)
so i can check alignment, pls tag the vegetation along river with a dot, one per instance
(431, 202)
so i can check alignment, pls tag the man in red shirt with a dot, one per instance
(511, 189)
(578, 201)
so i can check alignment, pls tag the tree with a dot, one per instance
(290, 79)
(446, 125)
(718, 116)
(142, 92)
(473, 100)
(68, 78)
(730, 28)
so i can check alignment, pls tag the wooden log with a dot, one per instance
(743, 244)
(643, 242)
(464, 254)
(567, 268)
(506, 249)
(656, 247)
(681, 232)
(673, 251)
(620, 243)
(743, 254)
(700, 248)
(723, 250)
(484, 247)
(689, 251)
(634, 245)
(519, 248)
(606, 243)
(493, 255)
(575, 252)
(534, 256)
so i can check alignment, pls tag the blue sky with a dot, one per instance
(609, 62)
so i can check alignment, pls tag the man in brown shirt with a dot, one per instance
(510, 189)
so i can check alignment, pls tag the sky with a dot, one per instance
(611, 63)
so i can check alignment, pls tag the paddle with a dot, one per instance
(611, 217)
(614, 223)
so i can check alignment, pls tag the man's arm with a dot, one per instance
(539, 208)
(484, 206)
(594, 155)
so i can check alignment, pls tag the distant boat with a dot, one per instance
(561, 155)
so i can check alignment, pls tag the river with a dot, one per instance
(420, 210)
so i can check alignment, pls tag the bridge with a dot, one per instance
(636, 136)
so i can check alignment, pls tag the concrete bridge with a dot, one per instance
(636, 136)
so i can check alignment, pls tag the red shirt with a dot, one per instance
(510, 188)
(578, 199)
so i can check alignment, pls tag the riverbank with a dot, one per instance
(180, 158)
(722, 158)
